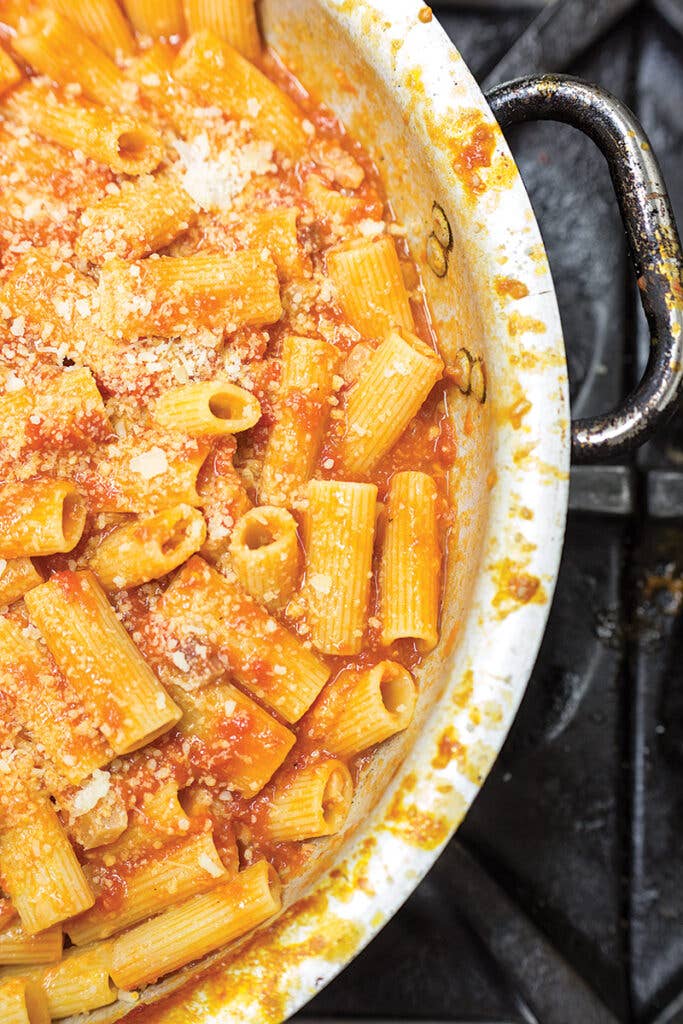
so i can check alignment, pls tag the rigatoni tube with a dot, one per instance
(16, 578)
(393, 385)
(156, 17)
(41, 874)
(56, 47)
(197, 927)
(207, 409)
(313, 802)
(79, 983)
(23, 1001)
(221, 77)
(306, 384)
(340, 533)
(67, 404)
(104, 22)
(136, 476)
(369, 284)
(125, 144)
(242, 744)
(145, 215)
(40, 517)
(378, 703)
(264, 657)
(265, 554)
(148, 547)
(232, 20)
(168, 295)
(276, 229)
(18, 947)
(46, 707)
(411, 561)
(173, 874)
(100, 660)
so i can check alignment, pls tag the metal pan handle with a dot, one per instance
(653, 242)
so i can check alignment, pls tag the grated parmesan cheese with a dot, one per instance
(150, 464)
(321, 583)
(180, 661)
(205, 862)
(91, 794)
(14, 383)
(213, 182)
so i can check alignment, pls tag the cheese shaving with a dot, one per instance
(91, 794)
(214, 181)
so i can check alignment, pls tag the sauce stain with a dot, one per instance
(472, 154)
(518, 324)
(509, 288)
(515, 587)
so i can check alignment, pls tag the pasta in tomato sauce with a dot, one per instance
(224, 458)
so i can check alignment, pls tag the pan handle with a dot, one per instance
(653, 240)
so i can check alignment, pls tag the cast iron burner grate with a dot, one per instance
(561, 899)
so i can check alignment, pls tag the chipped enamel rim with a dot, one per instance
(278, 970)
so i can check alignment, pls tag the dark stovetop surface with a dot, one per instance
(561, 899)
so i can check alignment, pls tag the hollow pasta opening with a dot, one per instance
(397, 691)
(34, 1000)
(73, 519)
(222, 406)
(132, 145)
(176, 538)
(336, 798)
(258, 534)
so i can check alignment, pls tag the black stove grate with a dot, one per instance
(561, 899)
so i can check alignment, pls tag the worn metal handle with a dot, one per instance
(653, 242)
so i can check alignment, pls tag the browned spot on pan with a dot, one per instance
(509, 288)
(518, 324)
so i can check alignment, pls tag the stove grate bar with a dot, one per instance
(560, 34)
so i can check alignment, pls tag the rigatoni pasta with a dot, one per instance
(224, 502)
(103, 22)
(265, 554)
(100, 661)
(411, 559)
(57, 48)
(178, 871)
(339, 541)
(367, 276)
(156, 17)
(17, 576)
(208, 409)
(393, 385)
(169, 294)
(314, 803)
(127, 145)
(302, 412)
(17, 947)
(148, 547)
(222, 77)
(232, 20)
(196, 927)
(46, 707)
(41, 873)
(40, 518)
(363, 708)
(141, 217)
(80, 982)
(23, 1001)
(267, 659)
